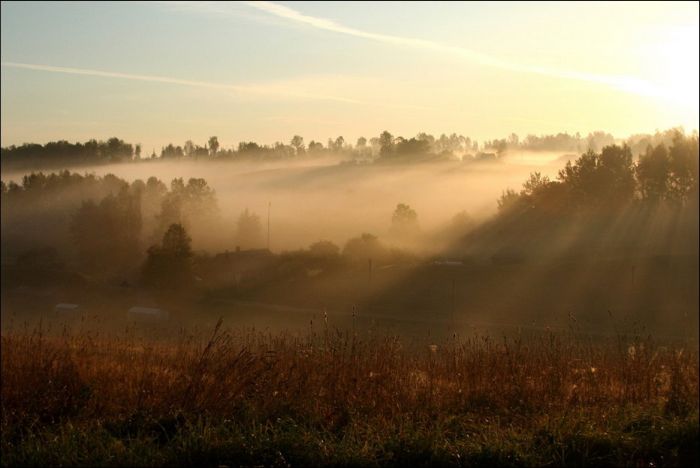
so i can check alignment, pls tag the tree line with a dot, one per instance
(103, 221)
(611, 179)
(62, 152)
(113, 226)
(109, 221)
(385, 147)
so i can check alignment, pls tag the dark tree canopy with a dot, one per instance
(106, 234)
(382, 148)
(186, 204)
(669, 174)
(169, 265)
(249, 231)
(324, 249)
(364, 247)
(600, 180)
(213, 145)
(404, 221)
(608, 181)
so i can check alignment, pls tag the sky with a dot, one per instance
(160, 72)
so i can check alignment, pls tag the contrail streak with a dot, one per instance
(289, 90)
(624, 83)
(241, 89)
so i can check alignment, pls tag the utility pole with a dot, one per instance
(454, 303)
(369, 272)
(269, 204)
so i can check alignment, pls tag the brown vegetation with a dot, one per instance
(335, 381)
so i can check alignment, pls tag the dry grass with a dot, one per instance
(476, 397)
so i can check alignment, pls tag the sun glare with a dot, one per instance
(677, 62)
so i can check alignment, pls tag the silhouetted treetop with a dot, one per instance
(385, 147)
(169, 265)
(610, 180)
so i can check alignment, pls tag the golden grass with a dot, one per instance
(332, 377)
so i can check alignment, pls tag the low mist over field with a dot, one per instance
(325, 200)
(408, 232)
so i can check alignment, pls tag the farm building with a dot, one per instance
(234, 267)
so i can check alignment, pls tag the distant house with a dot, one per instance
(234, 267)
(138, 314)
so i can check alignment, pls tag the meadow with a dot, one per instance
(326, 396)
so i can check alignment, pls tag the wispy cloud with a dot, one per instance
(624, 83)
(270, 89)
(218, 10)
(294, 88)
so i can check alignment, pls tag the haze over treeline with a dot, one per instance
(587, 233)
(162, 234)
(383, 148)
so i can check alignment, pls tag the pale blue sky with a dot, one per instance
(351, 69)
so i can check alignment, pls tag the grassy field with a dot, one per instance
(328, 397)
